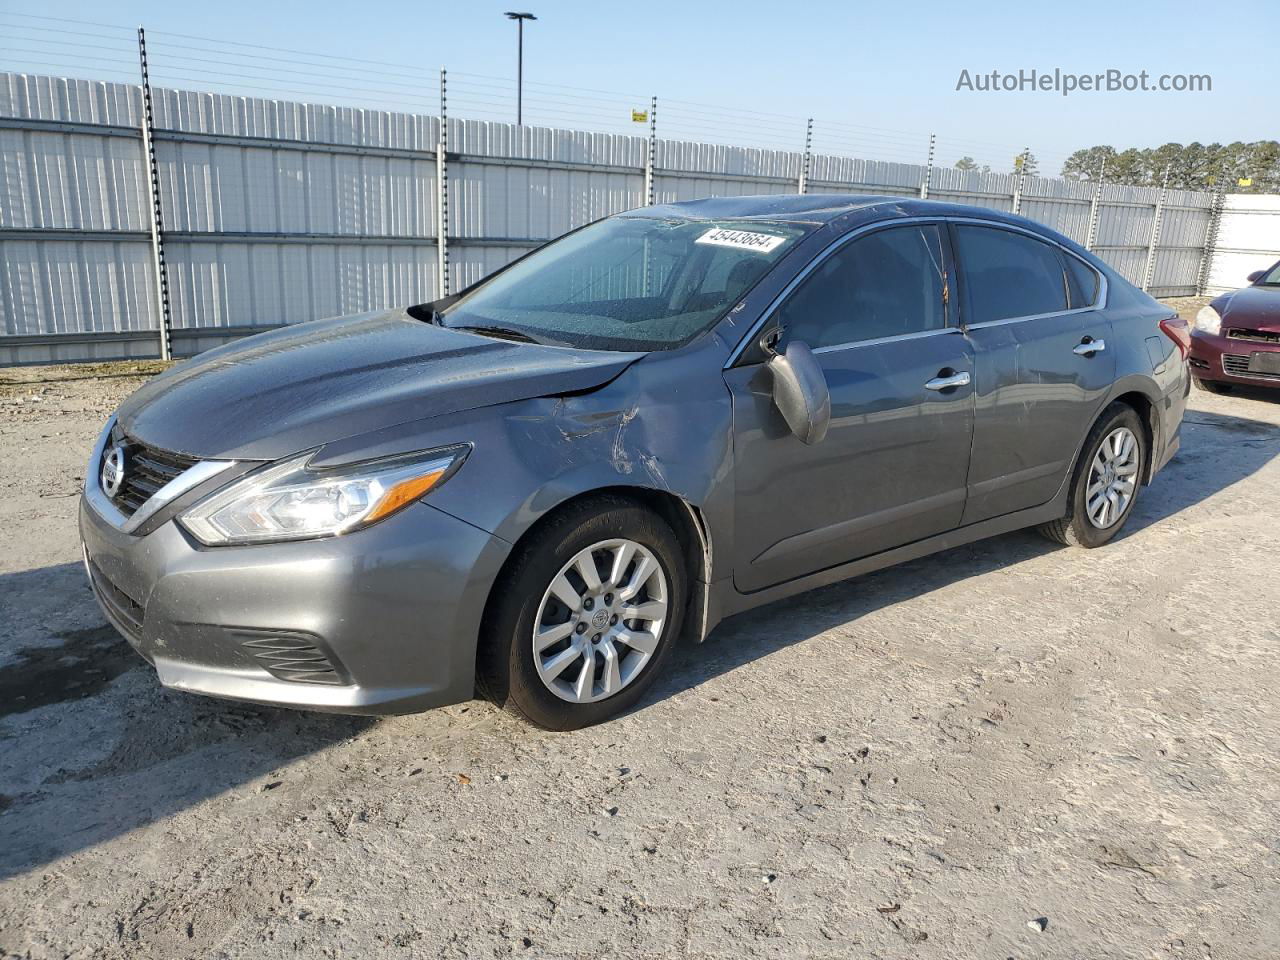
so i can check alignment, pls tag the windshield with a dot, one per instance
(1271, 278)
(627, 283)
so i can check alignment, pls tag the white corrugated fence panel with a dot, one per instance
(1248, 240)
(1175, 273)
(72, 101)
(52, 287)
(210, 187)
(51, 180)
(265, 284)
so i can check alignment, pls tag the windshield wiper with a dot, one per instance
(500, 333)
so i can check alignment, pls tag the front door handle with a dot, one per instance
(1088, 347)
(948, 382)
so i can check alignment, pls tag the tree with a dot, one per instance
(969, 164)
(1194, 166)
(1088, 163)
(1266, 166)
(1129, 167)
(1026, 164)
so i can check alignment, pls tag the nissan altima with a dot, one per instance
(532, 489)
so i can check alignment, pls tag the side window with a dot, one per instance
(1082, 282)
(1009, 274)
(885, 284)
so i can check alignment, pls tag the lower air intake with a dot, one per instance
(295, 657)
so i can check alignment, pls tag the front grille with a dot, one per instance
(146, 470)
(1238, 366)
(290, 656)
(1257, 336)
(126, 611)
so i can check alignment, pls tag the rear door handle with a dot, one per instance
(1088, 347)
(946, 383)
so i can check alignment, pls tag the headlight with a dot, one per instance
(290, 501)
(1208, 320)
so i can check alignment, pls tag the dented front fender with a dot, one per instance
(664, 424)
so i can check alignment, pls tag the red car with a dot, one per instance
(1236, 338)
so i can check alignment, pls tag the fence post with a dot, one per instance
(1017, 184)
(806, 165)
(157, 217)
(928, 170)
(1211, 240)
(1092, 236)
(442, 193)
(652, 153)
(1148, 273)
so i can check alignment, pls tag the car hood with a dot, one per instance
(1257, 308)
(274, 394)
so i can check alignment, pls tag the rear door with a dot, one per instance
(892, 466)
(1041, 360)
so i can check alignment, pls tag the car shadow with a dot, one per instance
(1243, 392)
(1217, 451)
(94, 747)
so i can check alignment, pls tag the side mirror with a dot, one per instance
(800, 392)
(1255, 276)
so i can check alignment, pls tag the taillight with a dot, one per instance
(1176, 329)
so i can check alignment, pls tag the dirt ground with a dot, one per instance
(1008, 750)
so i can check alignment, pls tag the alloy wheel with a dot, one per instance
(1112, 478)
(600, 621)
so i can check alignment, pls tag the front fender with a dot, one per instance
(664, 425)
(644, 432)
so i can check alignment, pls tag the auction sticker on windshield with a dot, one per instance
(742, 240)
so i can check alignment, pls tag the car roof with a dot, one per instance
(812, 208)
(843, 212)
(823, 208)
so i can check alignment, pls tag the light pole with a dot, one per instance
(520, 18)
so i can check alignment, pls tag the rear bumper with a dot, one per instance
(384, 620)
(1223, 359)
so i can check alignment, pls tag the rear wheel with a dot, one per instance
(584, 619)
(1107, 480)
(1213, 386)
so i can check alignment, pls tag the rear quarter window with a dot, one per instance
(1082, 282)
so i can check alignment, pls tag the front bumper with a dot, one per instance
(384, 620)
(1225, 360)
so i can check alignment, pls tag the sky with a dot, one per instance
(878, 78)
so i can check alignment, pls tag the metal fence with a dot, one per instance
(1245, 237)
(207, 216)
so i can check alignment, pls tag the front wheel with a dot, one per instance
(1106, 482)
(586, 615)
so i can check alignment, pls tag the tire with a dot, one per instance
(1213, 386)
(527, 593)
(1078, 528)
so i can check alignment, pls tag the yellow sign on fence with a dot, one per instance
(639, 116)
(1245, 182)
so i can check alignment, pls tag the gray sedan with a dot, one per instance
(534, 488)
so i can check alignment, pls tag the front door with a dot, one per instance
(892, 467)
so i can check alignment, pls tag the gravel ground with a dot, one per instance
(1007, 750)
